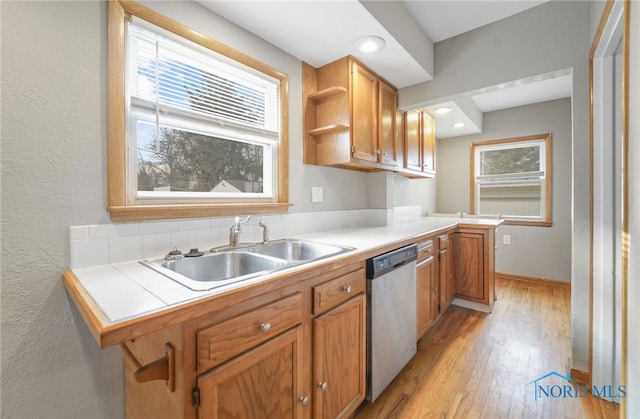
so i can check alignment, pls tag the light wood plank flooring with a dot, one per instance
(476, 365)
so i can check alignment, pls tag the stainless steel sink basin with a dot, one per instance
(227, 265)
(298, 250)
(217, 269)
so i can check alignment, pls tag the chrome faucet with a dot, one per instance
(265, 232)
(235, 230)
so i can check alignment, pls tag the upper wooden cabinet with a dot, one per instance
(419, 144)
(349, 117)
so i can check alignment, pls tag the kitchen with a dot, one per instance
(46, 343)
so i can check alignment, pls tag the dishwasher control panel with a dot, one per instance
(386, 262)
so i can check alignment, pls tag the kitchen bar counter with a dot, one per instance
(122, 301)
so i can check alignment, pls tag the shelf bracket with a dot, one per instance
(160, 369)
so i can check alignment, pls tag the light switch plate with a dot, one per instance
(506, 239)
(316, 194)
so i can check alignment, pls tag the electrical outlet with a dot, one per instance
(506, 239)
(316, 194)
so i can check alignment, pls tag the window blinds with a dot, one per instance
(180, 79)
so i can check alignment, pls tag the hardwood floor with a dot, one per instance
(476, 365)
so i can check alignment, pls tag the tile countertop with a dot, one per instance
(109, 295)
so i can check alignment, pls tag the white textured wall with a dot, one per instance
(547, 249)
(553, 36)
(53, 176)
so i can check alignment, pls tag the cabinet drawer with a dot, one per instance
(223, 341)
(334, 292)
(443, 241)
(425, 250)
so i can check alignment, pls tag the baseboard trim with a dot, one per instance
(543, 281)
(472, 305)
(580, 377)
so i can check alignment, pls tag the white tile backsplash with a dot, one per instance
(122, 249)
(154, 245)
(95, 245)
(78, 233)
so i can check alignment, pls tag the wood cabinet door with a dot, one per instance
(428, 144)
(265, 382)
(426, 311)
(469, 252)
(412, 141)
(447, 284)
(339, 356)
(364, 127)
(387, 137)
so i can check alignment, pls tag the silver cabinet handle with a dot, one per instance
(304, 400)
(348, 289)
(265, 327)
(323, 386)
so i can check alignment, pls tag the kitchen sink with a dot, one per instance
(216, 269)
(227, 265)
(298, 250)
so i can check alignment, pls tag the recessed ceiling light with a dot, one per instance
(458, 125)
(443, 111)
(369, 44)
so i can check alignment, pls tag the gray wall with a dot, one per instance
(547, 249)
(550, 37)
(54, 81)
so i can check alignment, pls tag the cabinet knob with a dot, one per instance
(265, 327)
(323, 386)
(435, 289)
(348, 289)
(378, 152)
(304, 400)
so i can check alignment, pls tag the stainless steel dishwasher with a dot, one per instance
(391, 316)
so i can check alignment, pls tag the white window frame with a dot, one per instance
(125, 203)
(540, 177)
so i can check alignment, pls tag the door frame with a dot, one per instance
(604, 315)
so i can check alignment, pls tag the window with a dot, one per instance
(196, 129)
(512, 177)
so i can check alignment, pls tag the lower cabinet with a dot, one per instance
(474, 254)
(469, 269)
(265, 382)
(298, 351)
(446, 272)
(427, 295)
(340, 359)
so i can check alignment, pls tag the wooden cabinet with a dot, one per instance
(419, 144)
(469, 281)
(427, 293)
(446, 272)
(297, 351)
(388, 140)
(340, 359)
(265, 382)
(349, 117)
(475, 266)
(222, 341)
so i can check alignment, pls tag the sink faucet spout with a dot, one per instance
(235, 230)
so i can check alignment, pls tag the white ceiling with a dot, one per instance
(319, 32)
(441, 20)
